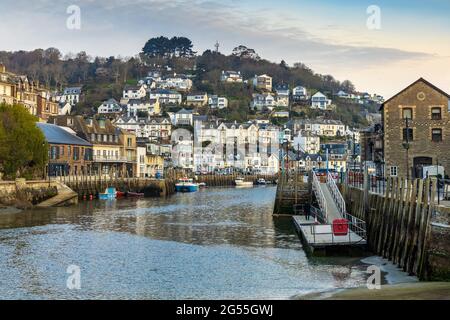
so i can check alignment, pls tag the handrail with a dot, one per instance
(336, 194)
(319, 195)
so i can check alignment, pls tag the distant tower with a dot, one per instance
(217, 45)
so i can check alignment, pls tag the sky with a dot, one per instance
(411, 38)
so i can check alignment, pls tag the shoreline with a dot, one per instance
(400, 291)
(396, 285)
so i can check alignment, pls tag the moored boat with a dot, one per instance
(120, 194)
(109, 194)
(240, 182)
(135, 194)
(261, 181)
(186, 185)
(202, 185)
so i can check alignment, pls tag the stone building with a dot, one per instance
(68, 153)
(416, 130)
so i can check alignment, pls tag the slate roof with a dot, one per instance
(57, 135)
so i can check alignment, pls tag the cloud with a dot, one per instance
(121, 27)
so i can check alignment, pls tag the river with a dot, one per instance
(218, 243)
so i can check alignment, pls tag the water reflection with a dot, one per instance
(217, 243)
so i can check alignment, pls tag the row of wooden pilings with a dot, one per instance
(218, 180)
(398, 222)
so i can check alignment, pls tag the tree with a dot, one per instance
(163, 47)
(23, 149)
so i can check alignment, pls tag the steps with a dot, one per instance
(65, 195)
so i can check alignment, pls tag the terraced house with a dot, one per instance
(416, 130)
(20, 89)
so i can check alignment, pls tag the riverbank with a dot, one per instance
(401, 291)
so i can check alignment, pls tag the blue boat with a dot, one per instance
(109, 194)
(186, 185)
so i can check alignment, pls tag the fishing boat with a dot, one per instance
(109, 194)
(241, 183)
(261, 181)
(186, 185)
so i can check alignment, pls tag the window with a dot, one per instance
(407, 113)
(436, 114)
(408, 134)
(436, 135)
(393, 171)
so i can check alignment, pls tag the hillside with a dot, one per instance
(103, 78)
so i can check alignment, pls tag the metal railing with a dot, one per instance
(357, 225)
(355, 234)
(319, 195)
(336, 194)
(315, 213)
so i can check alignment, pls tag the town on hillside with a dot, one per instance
(133, 130)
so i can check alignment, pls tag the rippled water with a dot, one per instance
(214, 244)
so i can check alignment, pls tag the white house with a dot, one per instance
(300, 93)
(343, 95)
(176, 82)
(135, 92)
(320, 101)
(182, 149)
(70, 95)
(216, 102)
(307, 142)
(283, 93)
(262, 101)
(184, 118)
(263, 82)
(149, 106)
(109, 106)
(153, 128)
(231, 76)
(166, 96)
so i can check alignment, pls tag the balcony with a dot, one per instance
(112, 159)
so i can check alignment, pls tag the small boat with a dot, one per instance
(109, 194)
(241, 183)
(134, 194)
(186, 185)
(202, 184)
(261, 181)
(120, 194)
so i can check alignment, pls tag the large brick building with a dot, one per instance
(416, 127)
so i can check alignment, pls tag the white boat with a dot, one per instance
(261, 181)
(186, 185)
(241, 183)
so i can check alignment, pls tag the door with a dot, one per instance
(419, 163)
